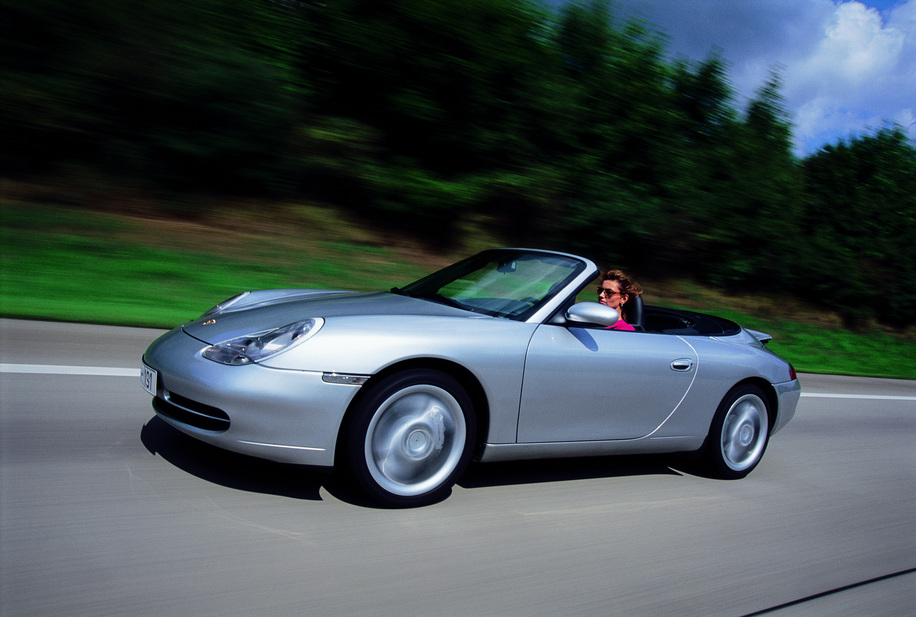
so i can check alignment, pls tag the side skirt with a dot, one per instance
(492, 452)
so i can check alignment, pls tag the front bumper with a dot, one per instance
(280, 415)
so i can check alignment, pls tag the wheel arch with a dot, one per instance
(769, 392)
(771, 397)
(465, 378)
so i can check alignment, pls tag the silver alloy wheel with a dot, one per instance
(415, 440)
(744, 433)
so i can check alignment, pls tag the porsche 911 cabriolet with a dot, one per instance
(490, 359)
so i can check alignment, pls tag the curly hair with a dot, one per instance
(627, 286)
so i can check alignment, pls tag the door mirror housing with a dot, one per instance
(592, 314)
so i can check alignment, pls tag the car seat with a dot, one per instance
(633, 309)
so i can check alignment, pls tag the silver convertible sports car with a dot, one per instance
(491, 358)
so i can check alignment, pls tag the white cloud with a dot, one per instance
(847, 68)
(857, 45)
(854, 80)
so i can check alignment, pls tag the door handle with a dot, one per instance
(682, 365)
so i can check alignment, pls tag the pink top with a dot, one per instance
(621, 325)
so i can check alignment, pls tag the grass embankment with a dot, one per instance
(72, 265)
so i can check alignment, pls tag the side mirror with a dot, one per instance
(592, 314)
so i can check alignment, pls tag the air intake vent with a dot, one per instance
(192, 413)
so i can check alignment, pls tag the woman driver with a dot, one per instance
(615, 290)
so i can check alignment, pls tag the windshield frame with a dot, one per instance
(531, 298)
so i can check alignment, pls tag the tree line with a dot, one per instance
(569, 129)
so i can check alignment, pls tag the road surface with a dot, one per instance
(105, 510)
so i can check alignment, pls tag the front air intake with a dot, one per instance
(180, 409)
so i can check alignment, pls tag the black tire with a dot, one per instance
(739, 433)
(410, 438)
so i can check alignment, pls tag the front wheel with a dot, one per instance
(739, 433)
(410, 438)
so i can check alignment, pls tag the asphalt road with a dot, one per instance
(107, 511)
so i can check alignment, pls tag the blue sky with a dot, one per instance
(848, 66)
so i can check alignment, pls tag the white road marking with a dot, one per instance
(57, 369)
(873, 397)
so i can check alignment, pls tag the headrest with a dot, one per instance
(633, 309)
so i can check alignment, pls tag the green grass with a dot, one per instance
(835, 350)
(71, 265)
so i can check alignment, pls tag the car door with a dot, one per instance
(584, 384)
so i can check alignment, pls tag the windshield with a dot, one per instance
(501, 283)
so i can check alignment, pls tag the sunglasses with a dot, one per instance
(602, 290)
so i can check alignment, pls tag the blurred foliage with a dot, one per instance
(860, 219)
(568, 129)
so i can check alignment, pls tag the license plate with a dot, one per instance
(148, 378)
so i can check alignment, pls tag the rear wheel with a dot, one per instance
(739, 433)
(411, 438)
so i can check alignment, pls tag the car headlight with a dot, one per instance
(256, 347)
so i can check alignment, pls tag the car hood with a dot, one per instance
(285, 309)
